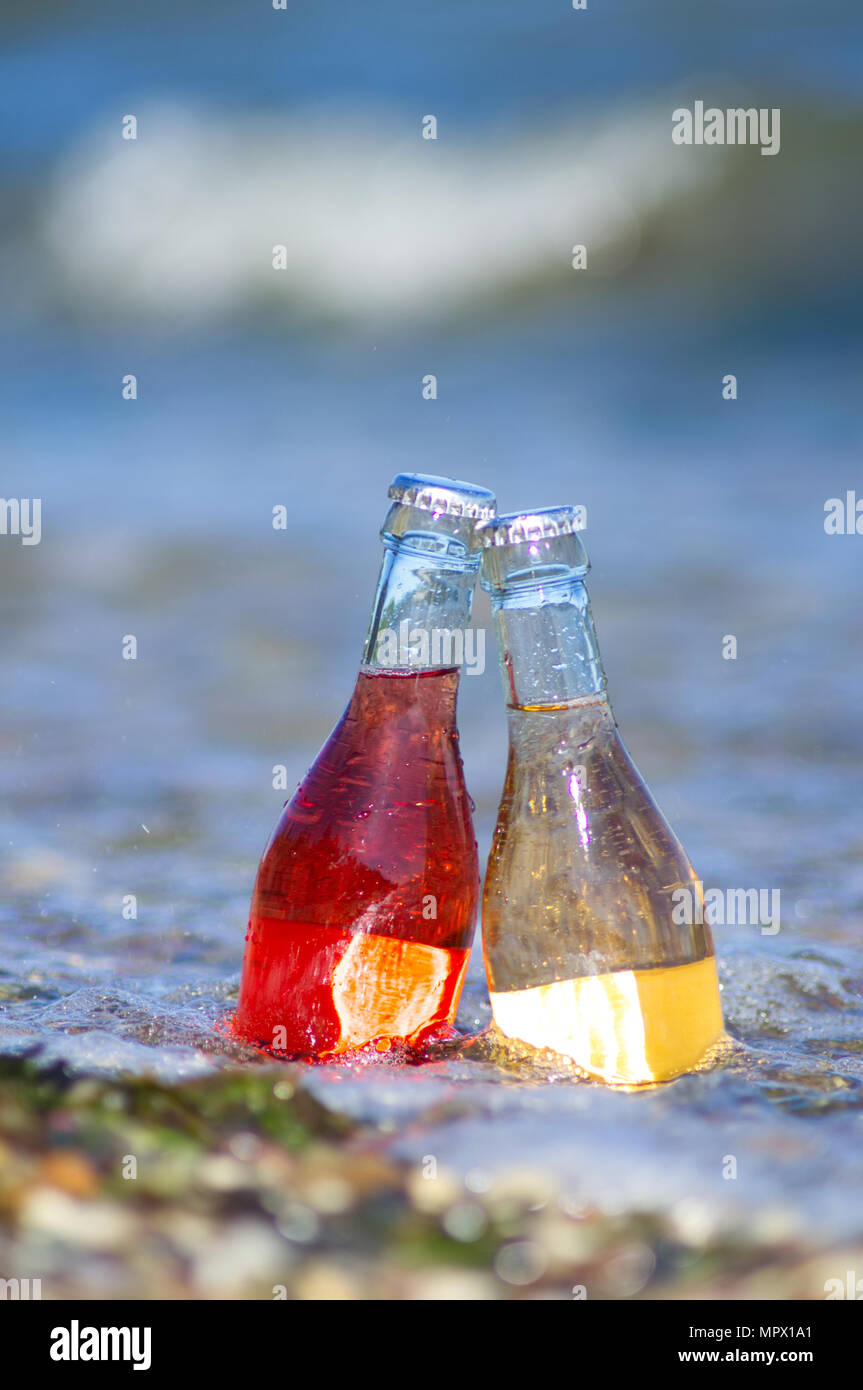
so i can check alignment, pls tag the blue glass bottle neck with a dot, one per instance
(547, 644)
(422, 605)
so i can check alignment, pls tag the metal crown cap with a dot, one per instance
(519, 528)
(443, 495)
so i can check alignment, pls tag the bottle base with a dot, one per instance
(629, 1027)
(312, 991)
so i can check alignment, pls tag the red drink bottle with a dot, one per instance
(366, 897)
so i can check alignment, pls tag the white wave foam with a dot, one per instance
(181, 223)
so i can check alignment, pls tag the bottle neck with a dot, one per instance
(422, 606)
(547, 643)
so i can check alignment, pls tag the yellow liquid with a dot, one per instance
(628, 1027)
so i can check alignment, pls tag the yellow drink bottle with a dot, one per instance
(589, 946)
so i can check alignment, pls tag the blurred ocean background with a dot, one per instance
(303, 387)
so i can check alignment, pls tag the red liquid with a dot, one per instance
(366, 897)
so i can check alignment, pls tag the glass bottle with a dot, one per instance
(366, 897)
(583, 947)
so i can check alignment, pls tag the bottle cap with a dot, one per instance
(445, 496)
(520, 528)
(529, 548)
